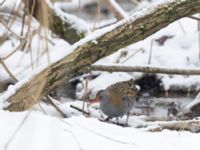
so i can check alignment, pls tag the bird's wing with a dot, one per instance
(129, 99)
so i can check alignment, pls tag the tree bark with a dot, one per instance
(126, 32)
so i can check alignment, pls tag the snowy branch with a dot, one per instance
(100, 44)
(62, 24)
(146, 69)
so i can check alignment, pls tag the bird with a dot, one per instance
(117, 99)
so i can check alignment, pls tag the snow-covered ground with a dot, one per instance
(38, 130)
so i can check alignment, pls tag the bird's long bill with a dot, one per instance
(92, 101)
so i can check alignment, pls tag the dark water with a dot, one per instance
(162, 106)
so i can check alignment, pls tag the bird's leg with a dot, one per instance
(117, 120)
(107, 119)
(126, 123)
(101, 114)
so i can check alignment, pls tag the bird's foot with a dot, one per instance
(105, 120)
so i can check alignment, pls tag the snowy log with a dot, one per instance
(66, 28)
(189, 125)
(61, 24)
(102, 43)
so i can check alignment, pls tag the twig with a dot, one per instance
(42, 109)
(7, 70)
(145, 69)
(79, 109)
(15, 50)
(11, 21)
(23, 23)
(2, 2)
(114, 8)
(150, 53)
(182, 28)
(97, 16)
(133, 54)
(85, 94)
(9, 29)
(17, 130)
(199, 36)
(195, 18)
(50, 99)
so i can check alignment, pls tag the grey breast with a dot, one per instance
(109, 109)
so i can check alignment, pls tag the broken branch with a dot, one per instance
(145, 69)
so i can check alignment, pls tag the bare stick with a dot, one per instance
(15, 50)
(199, 36)
(17, 130)
(7, 70)
(145, 69)
(97, 15)
(85, 94)
(133, 54)
(2, 2)
(9, 29)
(50, 99)
(181, 26)
(150, 54)
(79, 109)
(195, 18)
(114, 8)
(10, 20)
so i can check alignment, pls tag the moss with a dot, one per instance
(65, 31)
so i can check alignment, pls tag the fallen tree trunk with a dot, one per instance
(91, 49)
(189, 125)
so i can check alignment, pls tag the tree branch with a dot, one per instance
(106, 42)
(145, 69)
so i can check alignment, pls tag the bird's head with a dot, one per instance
(97, 98)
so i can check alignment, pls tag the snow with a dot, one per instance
(33, 129)
(44, 132)
(8, 6)
(75, 22)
